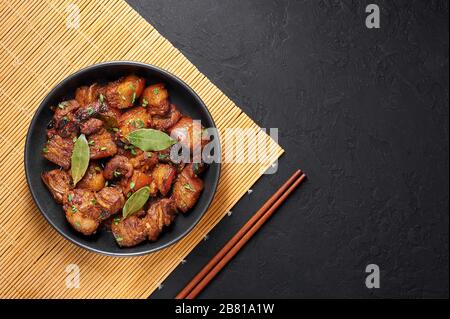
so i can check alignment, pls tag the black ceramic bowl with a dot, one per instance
(103, 242)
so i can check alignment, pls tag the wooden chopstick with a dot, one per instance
(201, 280)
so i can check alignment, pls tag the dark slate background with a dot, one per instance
(363, 112)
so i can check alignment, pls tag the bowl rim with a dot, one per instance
(44, 102)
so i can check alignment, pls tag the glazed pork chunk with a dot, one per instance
(91, 126)
(156, 98)
(164, 122)
(58, 182)
(101, 111)
(118, 167)
(64, 120)
(133, 119)
(187, 188)
(82, 211)
(188, 133)
(138, 180)
(144, 160)
(129, 232)
(161, 213)
(65, 109)
(124, 92)
(134, 229)
(110, 200)
(164, 175)
(58, 150)
(93, 178)
(101, 145)
(88, 94)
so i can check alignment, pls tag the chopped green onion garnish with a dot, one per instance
(189, 187)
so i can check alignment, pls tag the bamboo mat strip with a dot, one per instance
(37, 50)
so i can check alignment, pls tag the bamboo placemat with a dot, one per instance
(42, 42)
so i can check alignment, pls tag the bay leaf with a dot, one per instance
(148, 139)
(136, 201)
(79, 159)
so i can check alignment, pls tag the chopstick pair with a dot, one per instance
(221, 259)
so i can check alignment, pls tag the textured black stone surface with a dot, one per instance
(363, 112)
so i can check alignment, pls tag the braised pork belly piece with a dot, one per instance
(101, 145)
(99, 110)
(138, 180)
(110, 200)
(59, 150)
(91, 126)
(161, 213)
(129, 232)
(189, 133)
(166, 121)
(88, 94)
(93, 178)
(144, 160)
(64, 119)
(65, 109)
(59, 182)
(156, 98)
(134, 229)
(187, 188)
(117, 167)
(82, 211)
(124, 92)
(164, 176)
(133, 119)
